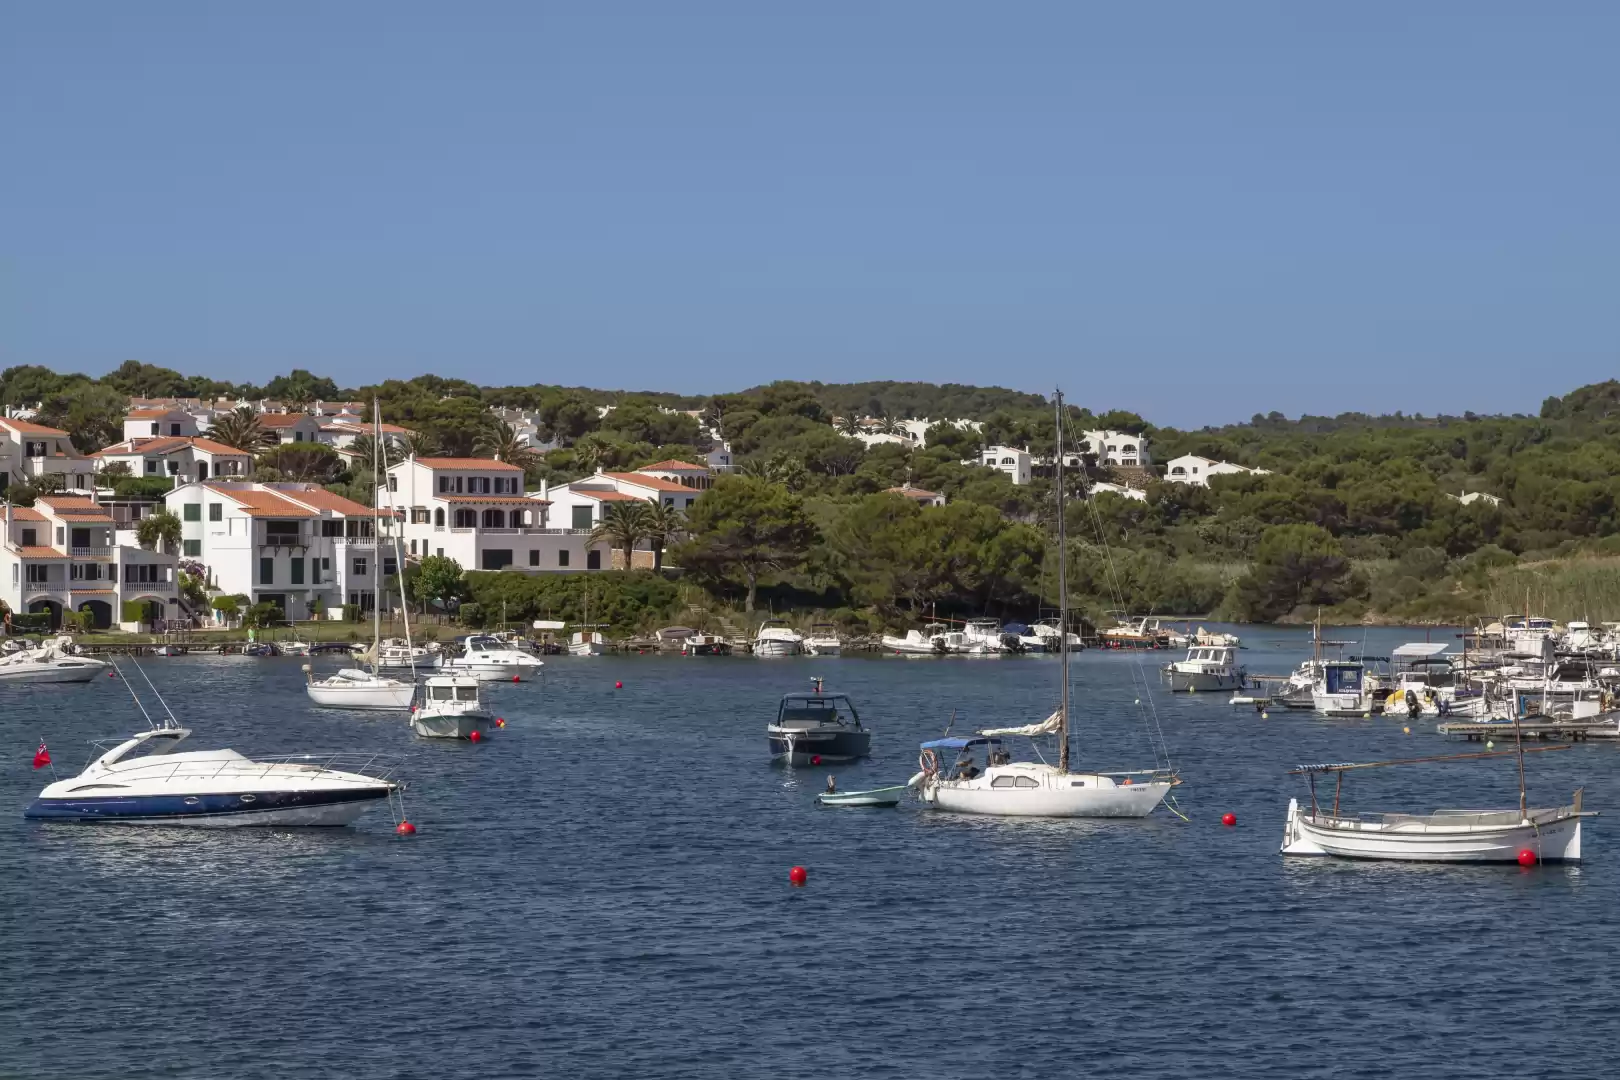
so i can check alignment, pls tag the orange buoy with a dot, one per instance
(1229, 819)
(405, 828)
(798, 876)
(1127, 781)
(1527, 858)
(474, 737)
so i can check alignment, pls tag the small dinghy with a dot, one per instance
(883, 796)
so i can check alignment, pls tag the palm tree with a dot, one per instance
(848, 425)
(893, 426)
(623, 526)
(502, 441)
(241, 430)
(159, 528)
(365, 451)
(662, 523)
(421, 444)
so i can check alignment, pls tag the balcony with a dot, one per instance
(360, 541)
(91, 551)
(136, 586)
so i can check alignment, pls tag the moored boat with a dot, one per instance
(51, 662)
(451, 708)
(1206, 667)
(817, 728)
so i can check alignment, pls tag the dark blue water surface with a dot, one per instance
(601, 890)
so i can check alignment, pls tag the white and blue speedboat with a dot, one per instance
(817, 729)
(143, 781)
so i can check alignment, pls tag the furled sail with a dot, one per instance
(1049, 726)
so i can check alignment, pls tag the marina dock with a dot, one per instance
(1604, 726)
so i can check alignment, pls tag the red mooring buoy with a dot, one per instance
(500, 721)
(405, 828)
(516, 679)
(1527, 858)
(798, 876)
(618, 686)
(815, 759)
(474, 737)
(1229, 819)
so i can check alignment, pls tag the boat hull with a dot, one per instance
(71, 672)
(813, 747)
(451, 725)
(491, 672)
(887, 796)
(1121, 801)
(777, 648)
(1554, 835)
(219, 810)
(362, 696)
(1200, 681)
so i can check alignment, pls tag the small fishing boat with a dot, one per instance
(588, 642)
(705, 645)
(1207, 667)
(823, 640)
(450, 708)
(883, 796)
(1524, 835)
(817, 728)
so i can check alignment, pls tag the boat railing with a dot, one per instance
(370, 766)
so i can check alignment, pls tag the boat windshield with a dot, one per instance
(466, 693)
(804, 710)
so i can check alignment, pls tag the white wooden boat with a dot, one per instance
(1206, 668)
(587, 643)
(1500, 836)
(883, 796)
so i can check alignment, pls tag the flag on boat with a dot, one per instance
(42, 756)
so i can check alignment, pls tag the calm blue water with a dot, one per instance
(601, 890)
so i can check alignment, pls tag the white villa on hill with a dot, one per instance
(189, 457)
(1117, 448)
(29, 451)
(1192, 469)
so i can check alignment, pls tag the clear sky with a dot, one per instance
(1194, 210)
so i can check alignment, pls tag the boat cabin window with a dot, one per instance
(466, 693)
(1002, 781)
(442, 693)
(822, 709)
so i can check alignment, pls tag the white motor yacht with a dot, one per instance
(142, 781)
(354, 688)
(51, 662)
(492, 661)
(915, 642)
(450, 708)
(777, 638)
(1207, 667)
(395, 654)
(1050, 631)
(984, 636)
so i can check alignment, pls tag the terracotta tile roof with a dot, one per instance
(76, 509)
(321, 499)
(281, 420)
(26, 513)
(671, 465)
(262, 503)
(167, 444)
(35, 552)
(911, 492)
(365, 428)
(28, 427)
(467, 463)
(607, 496)
(654, 482)
(147, 414)
(490, 499)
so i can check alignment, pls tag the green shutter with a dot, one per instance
(192, 512)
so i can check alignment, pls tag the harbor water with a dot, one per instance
(600, 889)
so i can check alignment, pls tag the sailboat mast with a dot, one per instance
(1063, 594)
(376, 569)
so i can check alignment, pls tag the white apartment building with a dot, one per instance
(29, 451)
(62, 555)
(1192, 469)
(1016, 463)
(581, 504)
(186, 457)
(474, 511)
(297, 546)
(287, 427)
(1117, 448)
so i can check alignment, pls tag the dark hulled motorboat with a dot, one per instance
(817, 728)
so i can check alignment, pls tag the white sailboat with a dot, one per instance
(358, 688)
(1007, 788)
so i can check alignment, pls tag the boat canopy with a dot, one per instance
(959, 742)
(1418, 650)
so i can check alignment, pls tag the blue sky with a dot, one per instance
(1197, 211)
